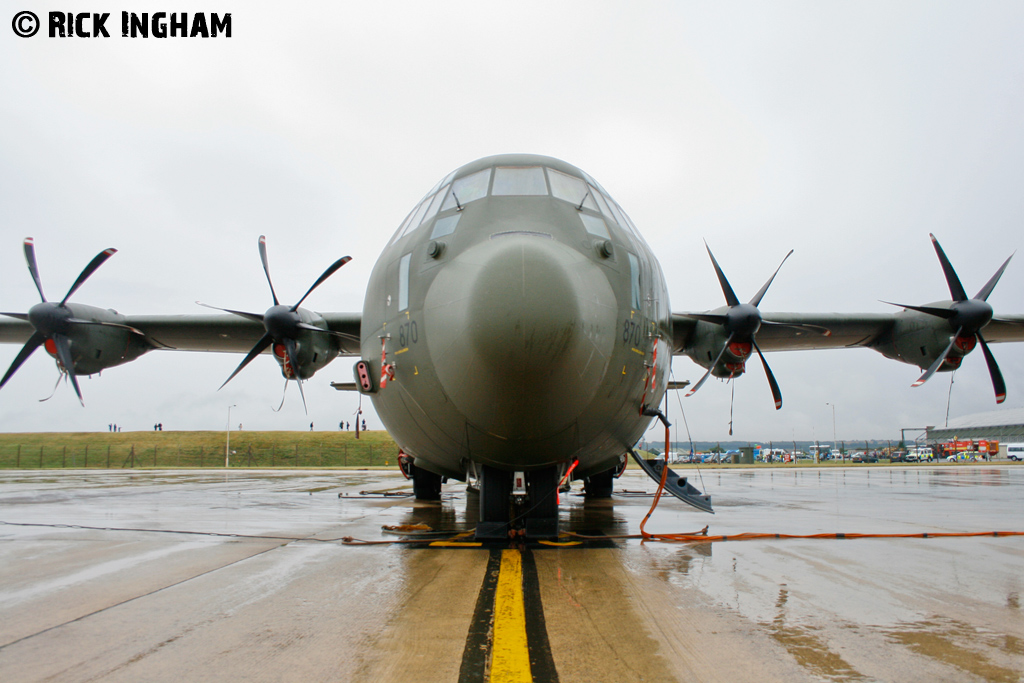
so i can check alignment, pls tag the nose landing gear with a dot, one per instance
(504, 515)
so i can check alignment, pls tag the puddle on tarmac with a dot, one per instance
(808, 649)
(959, 645)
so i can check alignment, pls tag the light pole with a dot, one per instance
(227, 447)
(834, 442)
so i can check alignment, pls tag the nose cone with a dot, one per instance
(520, 330)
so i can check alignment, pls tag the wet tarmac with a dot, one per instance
(98, 580)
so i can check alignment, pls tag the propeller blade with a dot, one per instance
(706, 317)
(266, 267)
(327, 273)
(946, 313)
(991, 284)
(955, 288)
(756, 301)
(255, 317)
(289, 345)
(707, 374)
(314, 328)
(776, 392)
(256, 350)
(938, 361)
(64, 354)
(730, 296)
(19, 316)
(96, 262)
(30, 256)
(33, 343)
(302, 396)
(993, 370)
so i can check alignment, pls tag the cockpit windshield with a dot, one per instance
(442, 206)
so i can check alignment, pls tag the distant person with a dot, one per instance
(239, 426)
(364, 425)
(310, 426)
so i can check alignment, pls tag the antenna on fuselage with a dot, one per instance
(583, 201)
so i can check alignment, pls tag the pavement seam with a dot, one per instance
(144, 595)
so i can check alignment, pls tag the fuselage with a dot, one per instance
(524, 318)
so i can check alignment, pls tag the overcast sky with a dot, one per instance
(845, 131)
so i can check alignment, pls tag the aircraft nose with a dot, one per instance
(520, 330)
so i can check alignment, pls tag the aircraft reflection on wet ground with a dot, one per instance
(283, 599)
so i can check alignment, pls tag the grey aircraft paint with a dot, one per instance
(521, 320)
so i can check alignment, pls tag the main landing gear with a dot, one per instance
(518, 504)
(425, 484)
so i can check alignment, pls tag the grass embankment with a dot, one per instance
(195, 449)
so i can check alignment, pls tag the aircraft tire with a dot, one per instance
(425, 484)
(495, 489)
(600, 485)
(543, 502)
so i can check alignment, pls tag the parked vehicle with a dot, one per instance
(1015, 451)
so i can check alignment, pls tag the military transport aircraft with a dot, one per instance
(516, 330)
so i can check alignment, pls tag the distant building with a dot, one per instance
(1004, 426)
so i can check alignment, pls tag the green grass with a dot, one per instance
(195, 449)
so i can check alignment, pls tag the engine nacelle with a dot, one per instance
(707, 342)
(105, 343)
(918, 340)
(313, 350)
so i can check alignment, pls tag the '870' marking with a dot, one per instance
(408, 333)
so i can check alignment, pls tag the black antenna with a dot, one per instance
(580, 207)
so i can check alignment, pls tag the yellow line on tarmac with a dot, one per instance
(510, 657)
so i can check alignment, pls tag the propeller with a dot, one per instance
(53, 322)
(282, 323)
(741, 322)
(967, 316)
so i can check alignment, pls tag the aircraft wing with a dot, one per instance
(222, 332)
(229, 333)
(806, 331)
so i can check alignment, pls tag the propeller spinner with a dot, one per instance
(967, 317)
(53, 322)
(283, 324)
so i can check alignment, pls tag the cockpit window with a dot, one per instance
(602, 203)
(435, 205)
(467, 189)
(417, 218)
(571, 189)
(595, 225)
(515, 180)
(620, 217)
(403, 282)
(634, 277)
(444, 226)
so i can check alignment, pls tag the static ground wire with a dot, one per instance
(701, 536)
(689, 437)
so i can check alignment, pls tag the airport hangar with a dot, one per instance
(1004, 426)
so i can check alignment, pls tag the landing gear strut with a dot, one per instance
(425, 484)
(504, 516)
(600, 485)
